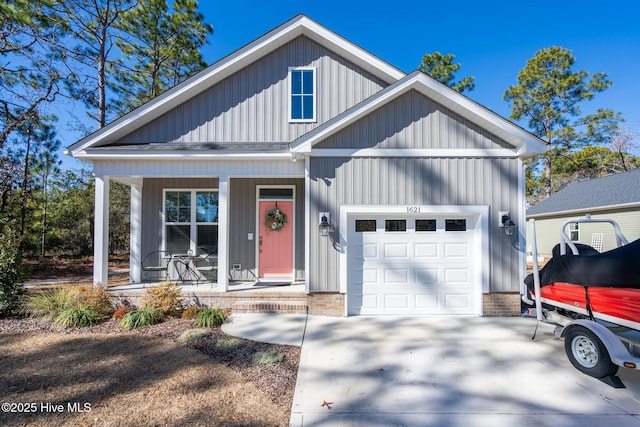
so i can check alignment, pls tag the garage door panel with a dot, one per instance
(426, 250)
(369, 275)
(396, 301)
(456, 250)
(426, 301)
(456, 276)
(426, 276)
(457, 301)
(396, 250)
(396, 275)
(369, 251)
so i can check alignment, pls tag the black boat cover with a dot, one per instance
(617, 268)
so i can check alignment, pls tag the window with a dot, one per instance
(425, 225)
(574, 231)
(455, 225)
(391, 225)
(364, 225)
(191, 221)
(302, 88)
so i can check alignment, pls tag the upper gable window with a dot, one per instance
(302, 90)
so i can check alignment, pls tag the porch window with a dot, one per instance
(191, 221)
(302, 91)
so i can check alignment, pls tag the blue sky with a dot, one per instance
(491, 39)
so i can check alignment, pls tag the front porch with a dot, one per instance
(239, 297)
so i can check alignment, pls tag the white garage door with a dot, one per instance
(408, 264)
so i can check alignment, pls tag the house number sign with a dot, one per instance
(413, 209)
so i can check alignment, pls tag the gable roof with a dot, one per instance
(527, 145)
(613, 191)
(297, 26)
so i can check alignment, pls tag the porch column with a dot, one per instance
(223, 233)
(135, 241)
(101, 232)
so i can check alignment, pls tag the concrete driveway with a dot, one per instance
(454, 371)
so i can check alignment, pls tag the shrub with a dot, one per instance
(166, 299)
(119, 313)
(140, 318)
(210, 318)
(12, 291)
(229, 344)
(53, 301)
(98, 298)
(75, 317)
(267, 358)
(191, 312)
(194, 334)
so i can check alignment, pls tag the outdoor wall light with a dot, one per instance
(325, 223)
(507, 224)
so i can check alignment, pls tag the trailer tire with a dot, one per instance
(587, 353)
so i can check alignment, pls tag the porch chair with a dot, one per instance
(156, 262)
(207, 264)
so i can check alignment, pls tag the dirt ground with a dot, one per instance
(105, 376)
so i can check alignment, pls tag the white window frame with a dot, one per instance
(574, 227)
(193, 224)
(315, 95)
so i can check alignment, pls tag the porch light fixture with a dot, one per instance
(325, 225)
(507, 224)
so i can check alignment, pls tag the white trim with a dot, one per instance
(101, 232)
(259, 224)
(165, 155)
(223, 233)
(299, 25)
(481, 238)
(413, 152)
(307, 224)
(527, 144)
(314, 119)
(135, 256)
(193, 224)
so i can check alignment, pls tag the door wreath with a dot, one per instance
(275, 219)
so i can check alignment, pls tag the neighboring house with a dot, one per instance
(615, 197)
(411, 176)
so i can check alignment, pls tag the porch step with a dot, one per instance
(284, 306)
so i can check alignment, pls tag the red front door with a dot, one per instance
(275, 248)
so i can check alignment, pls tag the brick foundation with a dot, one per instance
(326, 304)
(501, 304)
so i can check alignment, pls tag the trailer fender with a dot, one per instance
(616, 349)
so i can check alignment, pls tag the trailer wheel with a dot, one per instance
(587, 353)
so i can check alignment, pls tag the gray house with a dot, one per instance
(395, 188)
(615, 197)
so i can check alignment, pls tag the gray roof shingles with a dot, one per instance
(612, 190)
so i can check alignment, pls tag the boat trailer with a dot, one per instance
(595, 348)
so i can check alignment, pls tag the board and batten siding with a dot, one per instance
(243, 221)
(252, 104)
(242, 218)
(410, 181)
(413, 121)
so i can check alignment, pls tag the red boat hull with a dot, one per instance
(616, 305)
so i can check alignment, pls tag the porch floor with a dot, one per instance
(208, 287)
(241, 297)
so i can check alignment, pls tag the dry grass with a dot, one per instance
(140, 378)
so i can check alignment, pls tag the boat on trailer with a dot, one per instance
(593, 298)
